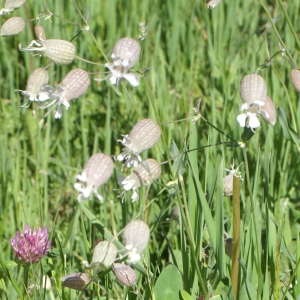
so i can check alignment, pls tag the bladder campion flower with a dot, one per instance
(104, 256)
(295, 79)
(76, 281)
(60, 52)
(30, 245)
(96, 172)
(143, 175)
(212, 3)
(74, 85)
(228, 180)
(10, 5)
(38, 78)
(13, 26)
(136, 235)
(125, 54)
(142, 136)
(125, 274)
(253, 91)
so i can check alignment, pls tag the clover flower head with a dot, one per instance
(104, 255)
(228, 180)
(142, 136)
(30, 245)
(60, 52)
(136, 235)
(96, 172)
(143, 175)
(36, 82)
(74, 85)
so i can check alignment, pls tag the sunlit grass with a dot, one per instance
(191, 52)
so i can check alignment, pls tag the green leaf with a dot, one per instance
(185, 295)
(288, 132)
(168, 284)
(178, 165)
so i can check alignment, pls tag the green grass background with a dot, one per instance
(193, 53)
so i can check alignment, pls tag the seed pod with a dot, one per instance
(144, 135)
(13, 26)
(144, 174)
(38, 78)
(295, 79)
(268, 112)
(59, 51)
(104, 256)
(75, 84)
(253, 88)
(125, 274)
(136, 235)
(228, 185)
(39, 33)
(126, 52)
(228, 246)
(96, 172)
(76, 281)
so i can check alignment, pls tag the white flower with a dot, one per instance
(143, 135)
(249, 116)
(143, 175)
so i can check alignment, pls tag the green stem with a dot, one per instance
(236, 236)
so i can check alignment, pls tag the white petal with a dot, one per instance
(113, 79)
(128, 184)
(132, 78)
(135, 196)
(58, 113)
(242, 119)
(243, 107)
(78, 187)
(253, 121)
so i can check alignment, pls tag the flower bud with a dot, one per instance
(39, 33)
(136, 235)
(125, 274)
(104, 256)
(268, 112)
(295, 79)
(76, 281)
(13, 26)
(96, 172)
(253, 88)
(228, 180)
(126, 52)
(142, 136)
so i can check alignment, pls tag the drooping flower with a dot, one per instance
(143, 175)
(96, 172)
(10, 5)
(228, 180)
(36, 81)
(142, 136)
(253, 91)
(104, 255)
(74, 85)
(13, 26)
(60, 52)
(76, 281)
(125, 274)
(30, 245)
(125, 54)
(136, 235)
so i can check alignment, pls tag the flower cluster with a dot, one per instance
(30, 245)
